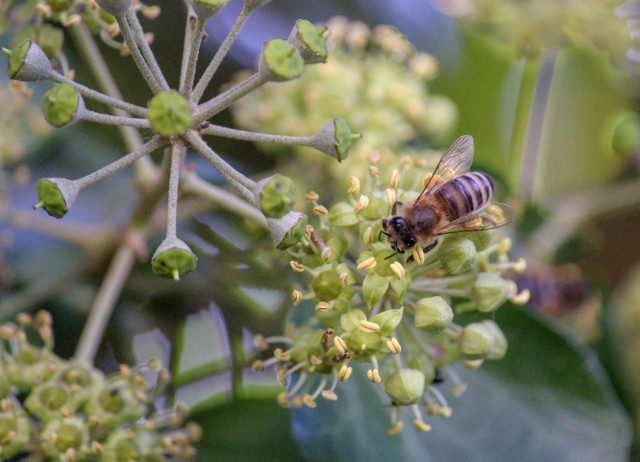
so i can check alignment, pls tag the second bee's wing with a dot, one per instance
(456, 160)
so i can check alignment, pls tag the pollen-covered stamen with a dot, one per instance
(522, 298)
(322, 307)
(354, 186)
(396, 428)
(340, 344)
(367, 264)
(394, 182)
(397, 269)
(368, 327)
(297, 266)
(344, 373)
(320, 210)
(362, 204)
(440, 406)
(394, 346)
(281, 354)
(391, 196)
(329, 395)
(418, 422)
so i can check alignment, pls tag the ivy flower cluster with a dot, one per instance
(69, 411)
(532, 26)
(399, 314)
(375, 78)
(178, 120)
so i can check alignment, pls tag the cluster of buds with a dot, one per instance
(69, 411)
(532, 26)
(179, 120)
(375, 77)
(400, 314)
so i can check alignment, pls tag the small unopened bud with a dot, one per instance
(173, 259)
(334, 139)
(207, 8)
(169, 113)
(326, 286)
(28, 63)
(476, 341)
(276, 195)
(287, 230)
(433, 314)
(457, 254)
(280, 61)
(405, 387)
(310, 42)
(62, 106)
(490, 291)
(56, 195)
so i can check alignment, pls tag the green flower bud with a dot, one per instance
(49, 401)
(28, 63)
(173, 259)
(476, 341)
(280, 61)
(207, 8)
(326, 286)
(388, 320)
(342, 214)
(376, 210)
(115, 8)
(405, 387)
(30, 366)
(623, 131)
(276, 195)
(334, 139)
(350, 321)
(62, 106)
(364, 344)
(56, 195)
(373, 288)
(58, 436)
(481, 239)
(310, 42)
(287, 230)
(457, 254)
(489, 291)
(433, 314)
(15, 433)
(122, 446)
(115, 403)
(425, 365)
(169, 113)
(499, 344)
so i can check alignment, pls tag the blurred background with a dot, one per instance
(549, 91)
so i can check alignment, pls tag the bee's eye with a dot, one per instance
(410, 241)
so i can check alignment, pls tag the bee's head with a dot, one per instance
(398, 233)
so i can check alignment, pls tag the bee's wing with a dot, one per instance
(456, 160)
(490, 217)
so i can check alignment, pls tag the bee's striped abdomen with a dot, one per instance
(465, 194)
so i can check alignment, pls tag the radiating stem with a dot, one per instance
(177, 153)
(224, 100)
(97, 96)
(106, 119)
(92, 57)
(136, 54)
(256, 137)
(240, 182)
(211, 69)
(195, 26)
(113, 167)
(141, 40)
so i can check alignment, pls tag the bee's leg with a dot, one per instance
(430, 247)
(394, 209)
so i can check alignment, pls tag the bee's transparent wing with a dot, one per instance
(491, 217)
(456, 160)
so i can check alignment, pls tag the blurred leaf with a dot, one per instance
(247, 430)
(547, 400)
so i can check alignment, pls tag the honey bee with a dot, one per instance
(453, 200)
